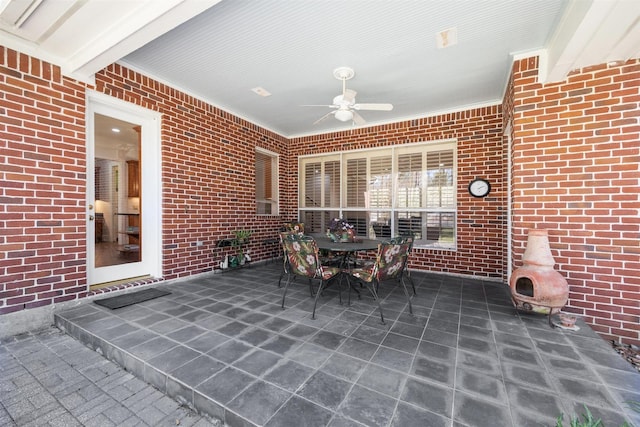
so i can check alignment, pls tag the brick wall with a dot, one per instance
(208, 174)
(576, 173)
(481, 223)
(42, 180)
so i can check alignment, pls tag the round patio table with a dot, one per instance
(347, 249)
(360, 245)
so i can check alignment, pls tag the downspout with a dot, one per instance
(507, 135)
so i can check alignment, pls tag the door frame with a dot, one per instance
(150, 175)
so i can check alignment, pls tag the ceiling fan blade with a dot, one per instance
(319, 105)
(357, 119)
(324, 117)
(373, 107)
(349, 96)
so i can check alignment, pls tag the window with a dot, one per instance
(399, 190)
(266, 182)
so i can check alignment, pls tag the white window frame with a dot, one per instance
(273, 201)
(393, 211)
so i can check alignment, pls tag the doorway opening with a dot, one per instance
(123, 153)
(117, 192)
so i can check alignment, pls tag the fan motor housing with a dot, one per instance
(344, 73)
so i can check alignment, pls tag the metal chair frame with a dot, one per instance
(406, 238)
(382, 270)
(303, 260)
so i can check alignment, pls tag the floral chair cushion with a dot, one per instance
(295, 227)
(406, 238)
(390, 261)
(302, 254)
(364, 274)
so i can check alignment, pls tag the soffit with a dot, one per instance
(219, 51)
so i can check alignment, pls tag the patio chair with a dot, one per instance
(288, 229)
(390, 263)
(406, 238)
(302, 255)
(294, 227)
(285, 259)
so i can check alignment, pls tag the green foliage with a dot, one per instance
(589, 421)
(242, 235)
(634, 405)
(241, 238)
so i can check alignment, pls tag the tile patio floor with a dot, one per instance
(221, 344)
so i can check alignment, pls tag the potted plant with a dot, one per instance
(241, 238)
(340, 230)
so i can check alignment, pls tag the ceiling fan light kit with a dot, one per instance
(344, 115)
(345, 104)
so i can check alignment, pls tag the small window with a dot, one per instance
(266, 182)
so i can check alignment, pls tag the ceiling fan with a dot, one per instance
(344, 105)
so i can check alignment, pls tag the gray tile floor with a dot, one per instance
(221, 344)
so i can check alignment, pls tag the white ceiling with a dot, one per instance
(219, 50)
(115, 139)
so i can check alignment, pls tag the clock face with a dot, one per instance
(479, 187)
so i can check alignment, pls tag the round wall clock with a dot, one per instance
(479, 187)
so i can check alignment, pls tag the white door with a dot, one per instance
(123, 203)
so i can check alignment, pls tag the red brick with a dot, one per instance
(565, 135)
(603, 128)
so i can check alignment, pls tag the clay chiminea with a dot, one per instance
(536, 286)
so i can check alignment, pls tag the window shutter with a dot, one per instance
(332, 184)
(440, 188)
(409, 180)
(408, 189)
(260, 176)
(266, 183)
(381, 182)
(356, 182)
(312, 185)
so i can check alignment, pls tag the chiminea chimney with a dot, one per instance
(536, 286)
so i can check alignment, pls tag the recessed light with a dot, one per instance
(260, 91)
(115, 130)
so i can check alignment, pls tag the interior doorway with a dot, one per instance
(123, 191)
(117, 191)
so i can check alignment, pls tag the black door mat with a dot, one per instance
(131, 298)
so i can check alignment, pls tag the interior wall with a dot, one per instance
(576, 173)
